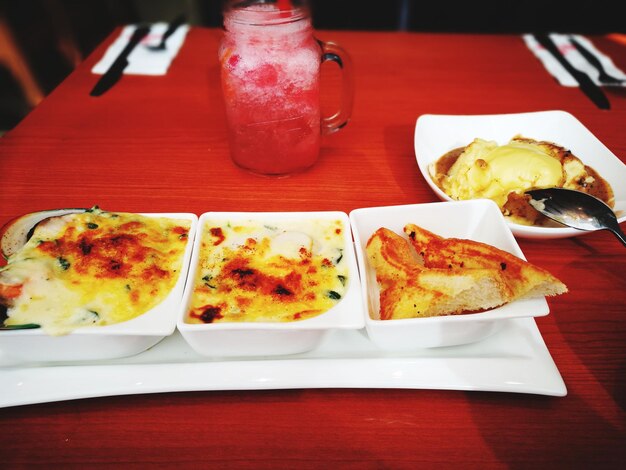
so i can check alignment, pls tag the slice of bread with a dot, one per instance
(448, 276)
(522, 278)
(391, 257)
(409, 290)
(434, 292)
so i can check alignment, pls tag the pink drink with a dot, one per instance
(270, 78)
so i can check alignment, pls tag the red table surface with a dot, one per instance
(159, 144)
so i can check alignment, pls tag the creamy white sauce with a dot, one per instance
(309, 250)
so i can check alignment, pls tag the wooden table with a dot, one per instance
(158, 144)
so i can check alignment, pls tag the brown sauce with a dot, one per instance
(600, 188)
(443, 165)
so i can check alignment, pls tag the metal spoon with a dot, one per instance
(576, 209)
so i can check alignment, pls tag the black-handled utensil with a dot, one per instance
(590, 57)
(171, 29)
(114, 73)
(586, 85)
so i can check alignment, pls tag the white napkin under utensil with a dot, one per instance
(142, 60)
(575, 58)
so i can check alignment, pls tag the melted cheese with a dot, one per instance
(503, 173)
(487, 170)
(94, 268)
(254, 272)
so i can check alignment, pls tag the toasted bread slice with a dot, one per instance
(435, 292)
(522, 278)
(391, 257)
(409, 290)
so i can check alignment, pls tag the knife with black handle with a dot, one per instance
(114, 73)
(587, 86)
(603, 76)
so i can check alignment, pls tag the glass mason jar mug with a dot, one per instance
(270, 67)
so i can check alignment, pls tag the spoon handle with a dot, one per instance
(619, 234)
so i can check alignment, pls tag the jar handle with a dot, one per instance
(333, 52)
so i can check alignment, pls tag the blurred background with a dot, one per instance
(42, 41)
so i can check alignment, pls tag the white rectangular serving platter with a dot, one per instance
(515, 359)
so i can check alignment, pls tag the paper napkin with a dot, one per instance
(143, 61)
(573, 57)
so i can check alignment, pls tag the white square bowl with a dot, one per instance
(103, 342)
(479, 220)
(239, 339)
(436, 135)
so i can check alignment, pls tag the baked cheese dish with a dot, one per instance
(92, 268)
(502, 173)
(279, 271)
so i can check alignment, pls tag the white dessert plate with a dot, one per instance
(513, 360)
(435, 135)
